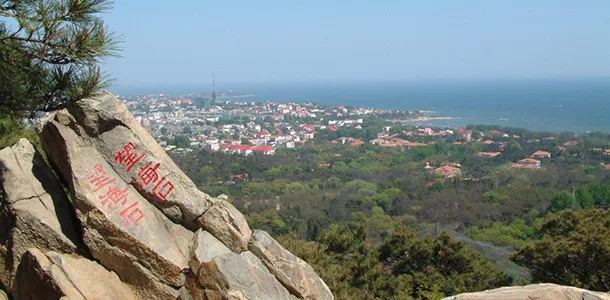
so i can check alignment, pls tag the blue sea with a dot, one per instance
(545, 105)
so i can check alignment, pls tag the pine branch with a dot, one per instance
(50, 60)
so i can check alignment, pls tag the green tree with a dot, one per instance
(50, 51)
(563, 200)
(359, 188)
(427, 266)
(206, 173)
(332, 182)
(584, 198)
(600, 194)
(574, 250)
(12, 129)
(182, 141)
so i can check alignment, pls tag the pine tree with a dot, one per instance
(50, 52)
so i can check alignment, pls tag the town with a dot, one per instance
(244, 127)
(187, 122)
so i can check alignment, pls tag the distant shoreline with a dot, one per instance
(236, 96)
(425, 119)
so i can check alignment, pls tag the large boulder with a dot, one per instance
(294, 273)
(34, 211)
(105, 126)
(542, 291)
(222, 274)
(122, 230)
(137, 213)
(53, 276)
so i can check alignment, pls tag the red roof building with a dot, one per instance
(447, 171)
(541, 154)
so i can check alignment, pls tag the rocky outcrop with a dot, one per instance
(53, 276)
(132, 221)
(105, 127)
(295, 274)
(223, 274)
(535, 291)
(34, 211)
(125, 232)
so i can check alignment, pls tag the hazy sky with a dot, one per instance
(183, 42)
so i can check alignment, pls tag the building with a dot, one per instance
(267, 150)
(204, 101)
(489, 154)
(541, 154)
(356, 142)
(241, 149)
(447, 171)
(527, 163)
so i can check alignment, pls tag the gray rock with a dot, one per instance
(205, 248)
(220, 273)
(105, 124)
(543, 291)
(132, 202)
(34, 212)
(294, 273)
(54, 276)
(227, 224)
(122, 230)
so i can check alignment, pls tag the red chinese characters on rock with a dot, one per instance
(128, 156)
(98, 177)
(132, 214)
(147, 177)
(114, 196)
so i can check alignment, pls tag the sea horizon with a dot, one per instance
(554, 105)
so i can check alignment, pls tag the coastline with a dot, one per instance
(425, 119)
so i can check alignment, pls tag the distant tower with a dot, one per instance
(213, 89)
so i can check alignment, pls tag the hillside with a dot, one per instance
(102, 212)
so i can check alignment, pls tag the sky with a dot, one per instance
(184, 42)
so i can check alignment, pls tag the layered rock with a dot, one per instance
(223, 274)
(34, 212)
(105, 126)
(543, 291)
(120, 227)
(53, 276)
(137, 212)
(294, 273)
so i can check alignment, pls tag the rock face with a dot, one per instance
(34, 211)
(59, 275)
(295, 274)
(535, 291)
(223, 274)
(120, 227)
(133, 226)
(105, 127)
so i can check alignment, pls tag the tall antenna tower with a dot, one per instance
(213, 89)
